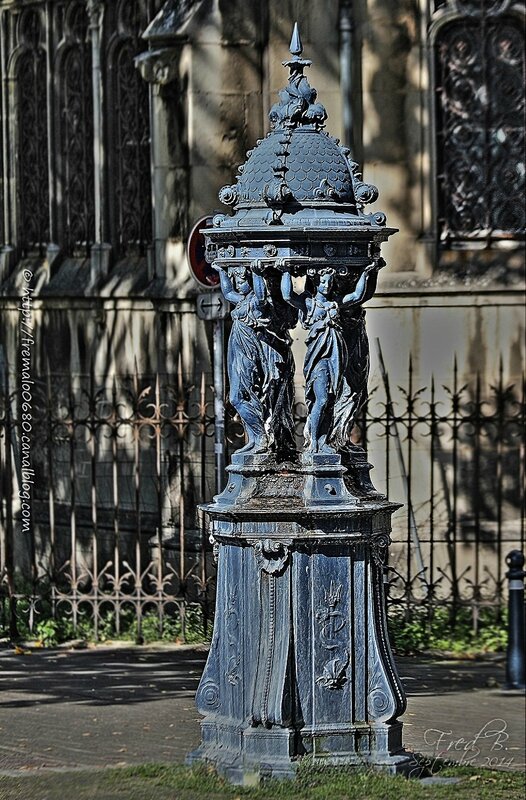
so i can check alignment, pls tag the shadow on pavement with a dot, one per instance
(98, 676)
(116, 706)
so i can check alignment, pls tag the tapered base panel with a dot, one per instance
(300, 662)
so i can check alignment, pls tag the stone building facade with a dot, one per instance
(120, 120)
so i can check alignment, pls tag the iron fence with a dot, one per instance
(113, 537)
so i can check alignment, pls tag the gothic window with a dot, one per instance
(33, 188)
(480, 115)
(77, 133)
(130, 178)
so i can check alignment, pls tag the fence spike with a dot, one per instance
(135, 376)
(157, 393)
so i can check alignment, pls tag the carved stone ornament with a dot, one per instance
(297, 104)
(209, 694)
(231, 612)
(215, 548)
(173, 21)
(379, 697)
(158, 66)
(325, 189)
(95, 9)
(364, 192)
(333, 676)
(333, 638)
(228, 195)
(379, 548)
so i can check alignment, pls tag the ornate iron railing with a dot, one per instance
(455, 455)
(120, 466)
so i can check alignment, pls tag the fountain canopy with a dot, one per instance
(299, 198)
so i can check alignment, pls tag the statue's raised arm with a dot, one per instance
(299, 301)
(227, 287)
(366, 286)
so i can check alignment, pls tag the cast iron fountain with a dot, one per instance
(300, 662)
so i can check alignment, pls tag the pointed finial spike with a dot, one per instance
(296, 47)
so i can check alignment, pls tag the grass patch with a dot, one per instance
(437, 629)
(156, 782)
(50, 630)
(442, 632)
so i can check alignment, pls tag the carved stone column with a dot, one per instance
(300, 662)
(160, 67)
(101, 249)
(6, 246)
(52, 248)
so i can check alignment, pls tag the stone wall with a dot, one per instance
(213, 71)
(210, 96)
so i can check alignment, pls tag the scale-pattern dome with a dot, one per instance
(298, 162)
(313, 165)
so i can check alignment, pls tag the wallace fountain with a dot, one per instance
(300, 662)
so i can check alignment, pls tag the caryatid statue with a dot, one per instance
(336, 364)
(260, 363)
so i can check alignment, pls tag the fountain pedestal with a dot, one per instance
(300, 662)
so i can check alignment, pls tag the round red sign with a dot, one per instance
(201, 270)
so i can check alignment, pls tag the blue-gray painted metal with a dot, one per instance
(516, 652)
(300, 661)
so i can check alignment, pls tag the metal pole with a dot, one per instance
(219, 405)
(6, 238)
(516, 653)
(346, 74)
(100, 251)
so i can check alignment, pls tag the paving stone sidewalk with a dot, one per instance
(109, 706)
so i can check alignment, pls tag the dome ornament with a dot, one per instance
(296, 49)
(297, 104)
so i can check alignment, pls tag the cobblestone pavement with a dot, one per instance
(109, 706)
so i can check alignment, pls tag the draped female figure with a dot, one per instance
(260, 363)
(337, 359)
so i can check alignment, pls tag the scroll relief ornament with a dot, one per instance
(272, 556)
